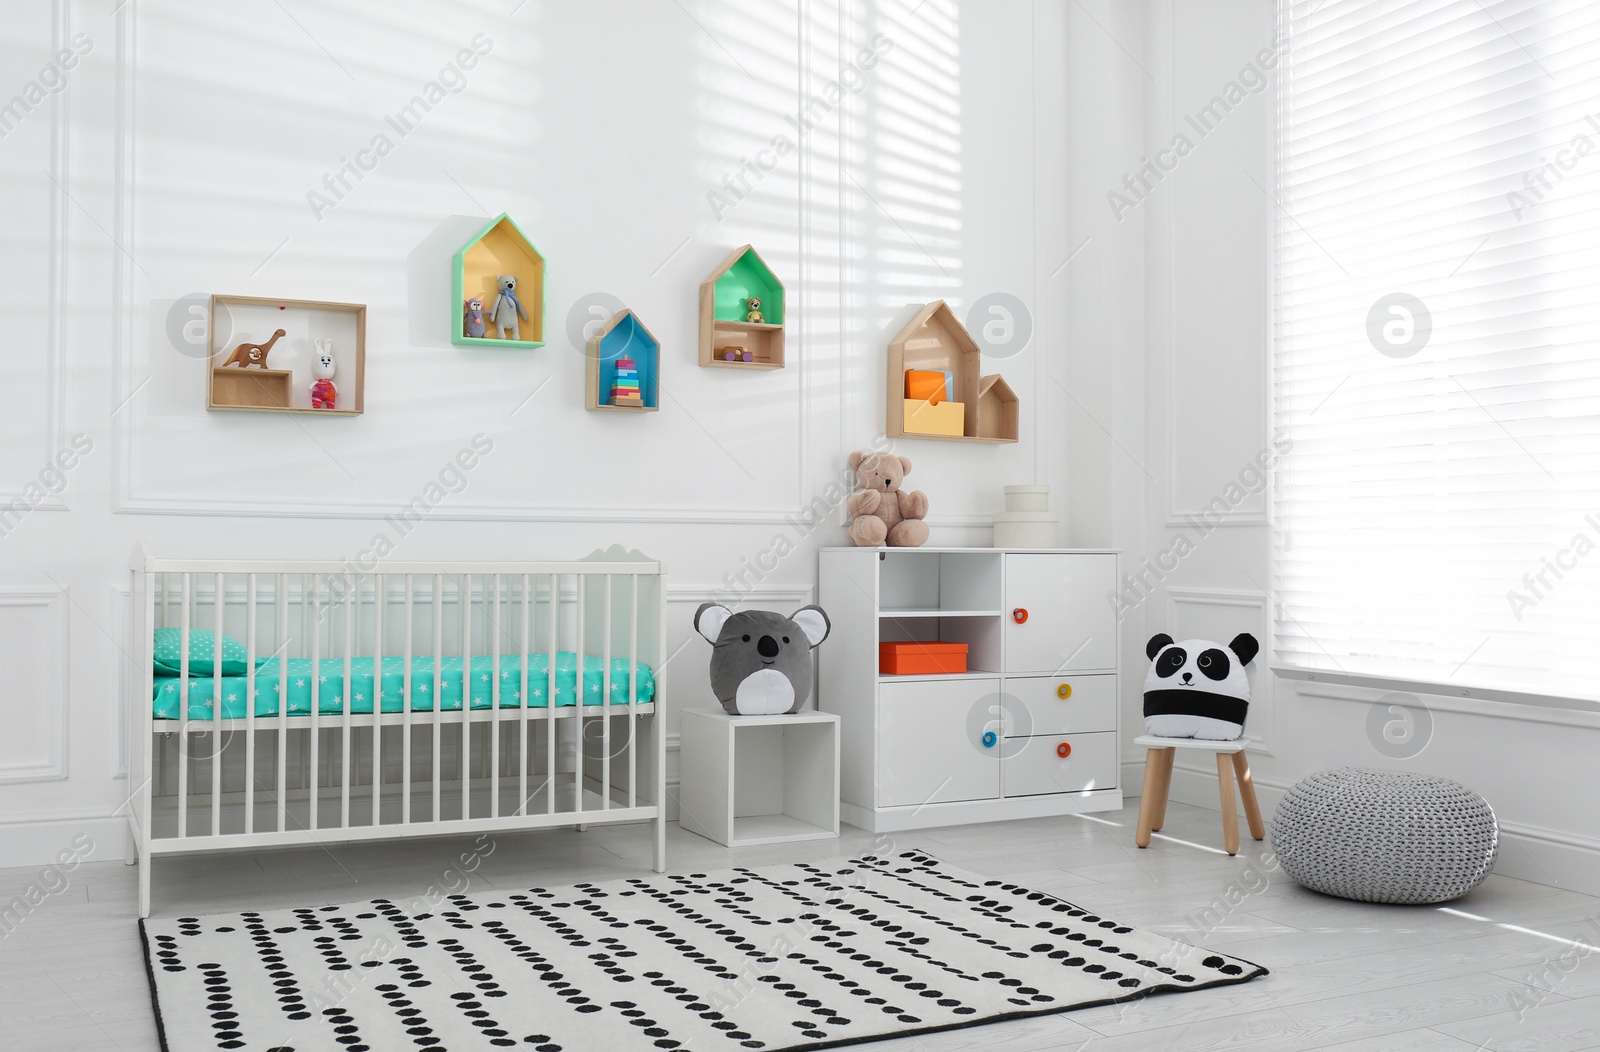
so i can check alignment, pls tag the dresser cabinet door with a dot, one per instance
(939, 741)
(1057, 617)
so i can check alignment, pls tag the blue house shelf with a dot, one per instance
(623, 338)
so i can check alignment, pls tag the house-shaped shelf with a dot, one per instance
(499, 248)
(728, 338)
(623, 339)
(936, 341)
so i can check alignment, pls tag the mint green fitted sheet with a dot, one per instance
(329, 681)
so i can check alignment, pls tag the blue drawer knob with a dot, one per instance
(989, 738)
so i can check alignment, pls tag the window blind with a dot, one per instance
(1437, 342)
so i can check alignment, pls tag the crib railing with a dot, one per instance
(322, 761)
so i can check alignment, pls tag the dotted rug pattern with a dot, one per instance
(772, 958)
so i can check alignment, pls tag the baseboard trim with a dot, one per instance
(1552, 857)
(40, 843)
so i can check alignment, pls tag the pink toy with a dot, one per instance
(324, 395)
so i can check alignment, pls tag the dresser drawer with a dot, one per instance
(1061, 705)
(1039, 767)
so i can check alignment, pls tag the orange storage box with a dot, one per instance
(921, 659)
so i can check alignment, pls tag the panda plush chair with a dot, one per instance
(1197, 688)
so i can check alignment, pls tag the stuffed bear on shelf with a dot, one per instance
(881, 511)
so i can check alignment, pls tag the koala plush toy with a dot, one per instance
(761, 660)
(1196, 688)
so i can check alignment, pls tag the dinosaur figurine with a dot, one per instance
(247, 354)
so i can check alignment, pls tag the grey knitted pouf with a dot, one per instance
(1385, 836)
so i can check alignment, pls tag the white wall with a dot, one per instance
(1209, 225)
(177, 162)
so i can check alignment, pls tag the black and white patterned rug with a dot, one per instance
(774, 957)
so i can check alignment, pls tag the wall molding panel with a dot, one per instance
(51, 673)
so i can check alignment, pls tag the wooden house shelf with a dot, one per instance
(623, 338)
(970, 407)
(499, 248)
(285, 333)
(724, 309)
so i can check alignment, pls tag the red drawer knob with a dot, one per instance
(1020, 615)
(1064, 750)
(1064, 691)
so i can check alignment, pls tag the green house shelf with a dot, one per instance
(725, 328)
(499, 248)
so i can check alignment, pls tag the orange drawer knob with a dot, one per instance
(1020, 615)
(1064, 691)
(1064, 750)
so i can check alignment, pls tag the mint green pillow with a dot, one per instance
(202, 648)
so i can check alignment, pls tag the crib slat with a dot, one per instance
(378, 599)
(405, 701)
(314, 778)
(633, 685)
(350, 584)
(526, 702)
(464, 605)
(438, 683)
(492, 626)
(605, 699)
(217, 602)
(183, 709)
(550, 695)
(250, 704)
(577, 741)
(281, 753)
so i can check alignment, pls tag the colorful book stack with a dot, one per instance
(625, 386)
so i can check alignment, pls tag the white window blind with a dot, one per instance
(1437, 342)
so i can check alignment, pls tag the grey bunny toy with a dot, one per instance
(761, 660)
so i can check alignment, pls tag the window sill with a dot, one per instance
(1482, 701)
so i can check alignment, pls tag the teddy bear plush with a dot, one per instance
(882, 512)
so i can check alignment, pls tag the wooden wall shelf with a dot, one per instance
(499, 248)
(624, 337)
(723, 308)
(936, 340)
(274, 389)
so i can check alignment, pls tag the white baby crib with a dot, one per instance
(535, 737)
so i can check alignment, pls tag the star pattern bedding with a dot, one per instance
(329, 680)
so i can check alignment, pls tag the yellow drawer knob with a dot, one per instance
(1064, 691)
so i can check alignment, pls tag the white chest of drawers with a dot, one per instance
(1030, 730)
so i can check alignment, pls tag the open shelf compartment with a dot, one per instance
(724, 308)
(285, 333)
(623, 338)
(499, 248)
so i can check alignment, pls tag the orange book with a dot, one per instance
(926, 385)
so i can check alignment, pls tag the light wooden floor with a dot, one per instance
(1508, 967)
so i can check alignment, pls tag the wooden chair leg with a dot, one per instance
(1247, 793)
(1147, 801)
(1230, 816)
(1163, 790)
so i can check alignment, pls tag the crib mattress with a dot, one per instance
(329, 680)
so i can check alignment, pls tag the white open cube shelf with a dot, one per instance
(751, 780)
